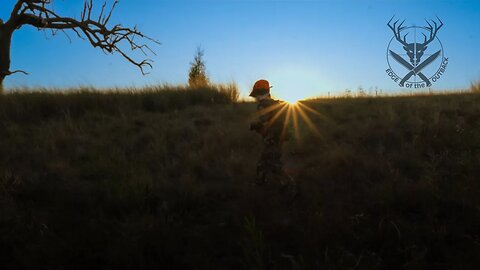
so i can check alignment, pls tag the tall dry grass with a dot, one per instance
(122, 180)
(475, 87)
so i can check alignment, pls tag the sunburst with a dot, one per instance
(294, 112)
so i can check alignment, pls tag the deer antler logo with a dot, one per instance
(415, 51)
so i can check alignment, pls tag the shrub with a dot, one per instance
(197, 76)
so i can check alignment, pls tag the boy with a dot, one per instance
(270, 125)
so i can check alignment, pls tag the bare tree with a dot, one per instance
(94, 28)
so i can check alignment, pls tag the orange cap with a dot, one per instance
(261, 87)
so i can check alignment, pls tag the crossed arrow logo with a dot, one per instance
(415, 70)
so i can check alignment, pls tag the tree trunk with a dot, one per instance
(5, 42)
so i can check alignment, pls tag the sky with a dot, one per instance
(304, 48)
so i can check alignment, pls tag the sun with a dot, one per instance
(291, 100)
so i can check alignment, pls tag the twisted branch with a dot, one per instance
(8, 72)
(40, 14)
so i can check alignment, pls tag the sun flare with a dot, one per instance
(295, 112)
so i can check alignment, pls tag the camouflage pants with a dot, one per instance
(271, 165)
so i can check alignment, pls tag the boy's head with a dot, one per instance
(260, 90)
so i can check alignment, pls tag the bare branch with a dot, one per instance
(8, 72)
(17, 9)
(66, 34)
(101, 12)
(40, 14)
(110, 13)
(84, 11)
(90, 6)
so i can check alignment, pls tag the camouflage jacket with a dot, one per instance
(269, 124)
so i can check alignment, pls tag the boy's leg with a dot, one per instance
(261, 173)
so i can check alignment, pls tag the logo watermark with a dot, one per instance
(415, 54)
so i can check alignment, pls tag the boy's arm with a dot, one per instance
(263, 118)
(257, 126)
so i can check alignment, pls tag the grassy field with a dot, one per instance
(162, 179)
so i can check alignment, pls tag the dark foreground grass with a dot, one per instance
(152, 181)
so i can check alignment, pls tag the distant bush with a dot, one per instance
(197, 76)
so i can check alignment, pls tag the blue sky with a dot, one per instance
(316, 46)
